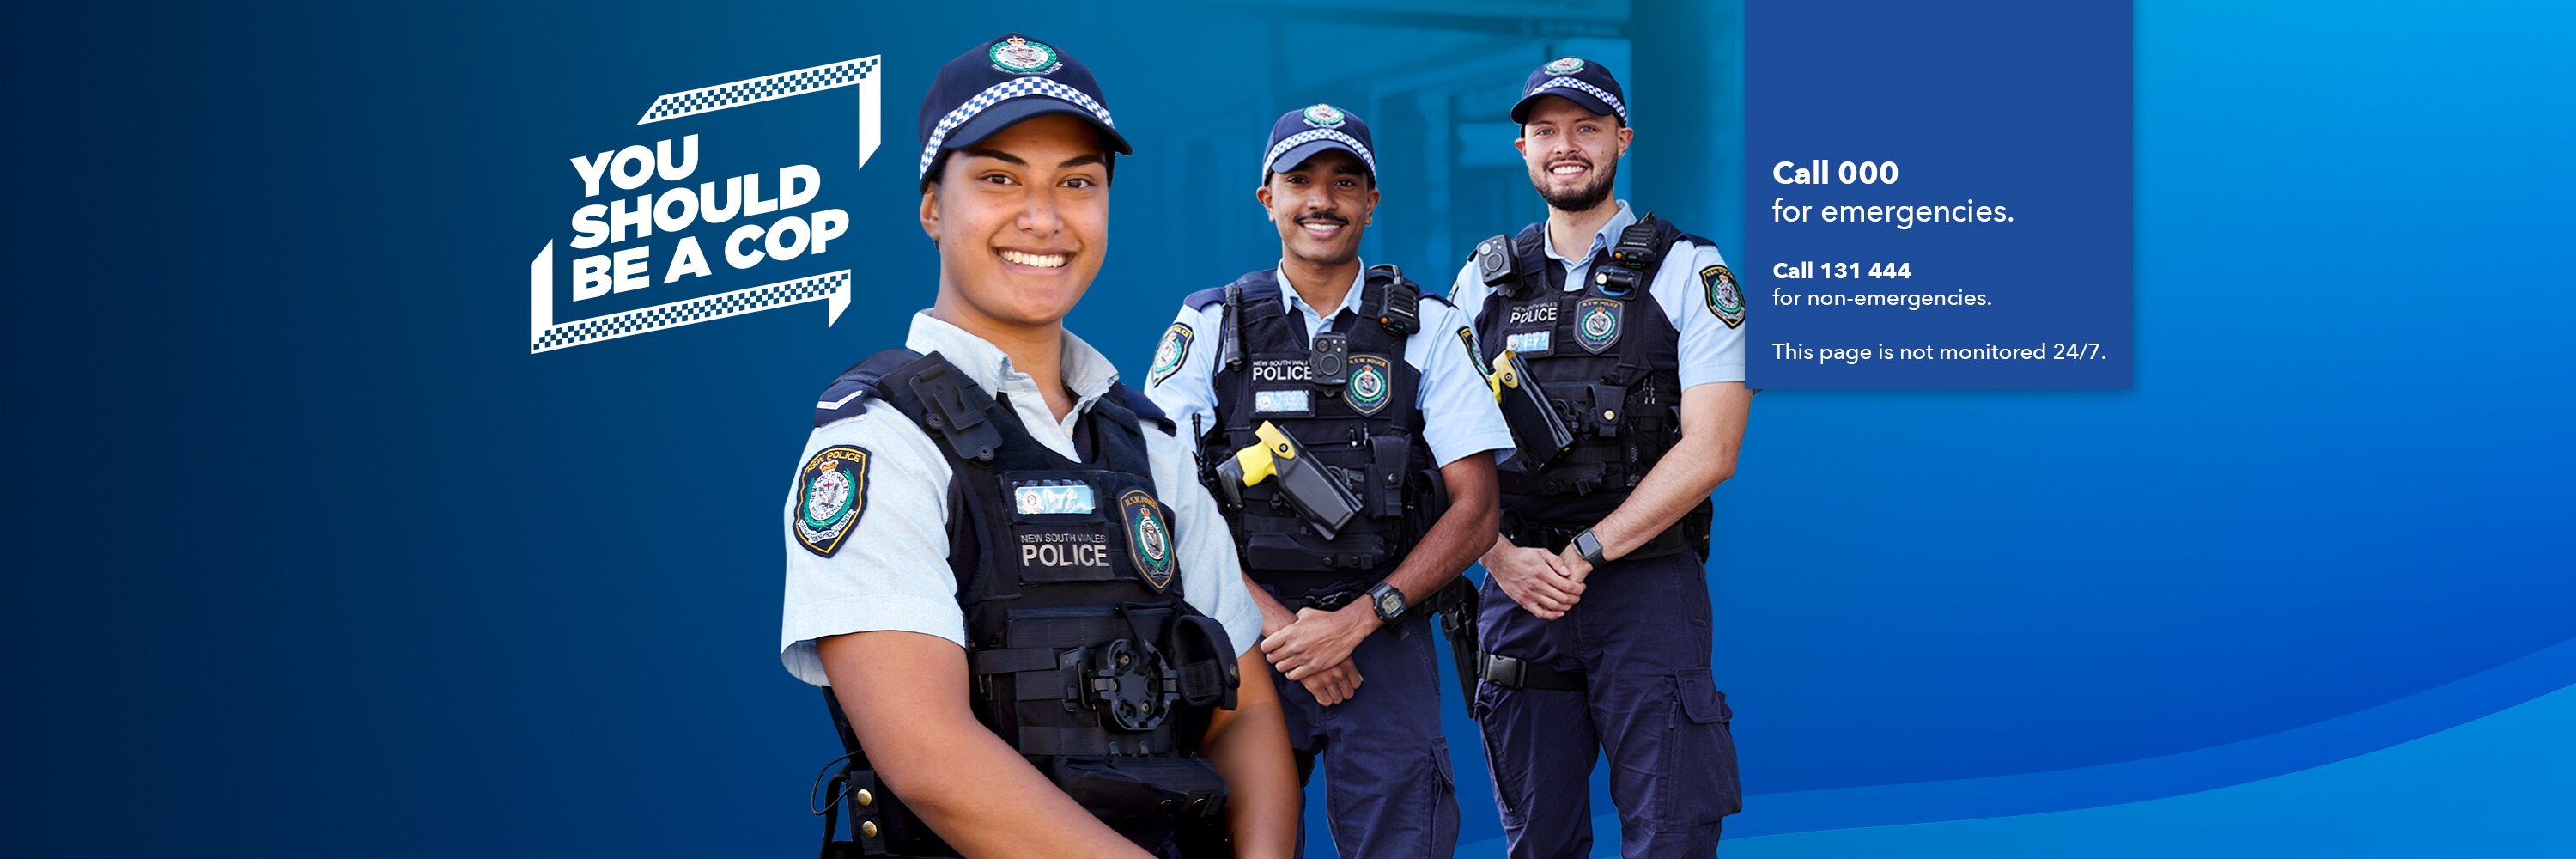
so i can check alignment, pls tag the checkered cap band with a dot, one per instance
(1597, 92)
(1301, 138)
(1001, 92)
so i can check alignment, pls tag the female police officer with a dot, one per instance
(998, 558)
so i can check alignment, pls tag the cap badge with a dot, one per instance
(1565, 66)
(1020, 56)
(1324, 116)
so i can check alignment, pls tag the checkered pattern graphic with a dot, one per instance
(1597, 92)
(757, 90)
(1001, 92)
(1300, 138)
(679, 313)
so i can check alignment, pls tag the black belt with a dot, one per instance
(1511, 673)
(1555, 539)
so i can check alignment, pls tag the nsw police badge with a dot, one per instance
(1596, 324)
(1017, 55)
(831, 493)
(1564, 66)
(1169, 354)
(1149, 537)
(1724, 299)
(1323, 116)
(1372, 380)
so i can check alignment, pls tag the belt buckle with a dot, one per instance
(1503, 671)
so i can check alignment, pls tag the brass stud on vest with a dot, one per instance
(866, 799)
(1609, 415)
(867, 829)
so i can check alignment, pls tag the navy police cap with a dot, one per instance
(1574, 79)
(1002, 82)
(1303, 133)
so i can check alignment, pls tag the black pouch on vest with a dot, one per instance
(1130, 788)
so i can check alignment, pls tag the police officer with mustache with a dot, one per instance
(1352, 442)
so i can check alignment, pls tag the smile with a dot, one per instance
(1036, 260)
(1320, 229)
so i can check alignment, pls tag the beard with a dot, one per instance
(1581, 198)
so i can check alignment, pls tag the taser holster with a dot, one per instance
(1537, 429)
(1310, 486)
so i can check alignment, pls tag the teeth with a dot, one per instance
(1321, 228)
(1566, 169)
(1034, 260)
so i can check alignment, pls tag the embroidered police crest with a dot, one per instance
(1564, 66)
(1724, 299)
(1149, 537)
(1596, 324)
(832, 492)
(1475, 353)
(1324, 116)
(1020, 56)
(1372, 379)
(1168, 355)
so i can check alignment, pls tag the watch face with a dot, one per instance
(1390, 604)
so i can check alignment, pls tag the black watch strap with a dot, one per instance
(1589, 547)
(1387, 600)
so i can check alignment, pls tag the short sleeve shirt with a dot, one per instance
(892, 571)
(1459, 417)
(1711, 350)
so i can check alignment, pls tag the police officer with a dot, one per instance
(1370, 393)
(997, 556)
(1597, 611)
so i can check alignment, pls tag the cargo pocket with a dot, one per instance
(1703, 788)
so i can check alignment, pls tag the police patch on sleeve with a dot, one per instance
(1725, 301)
(1149, 537)
(1475, 353)
(1169, 354)
(830, 494)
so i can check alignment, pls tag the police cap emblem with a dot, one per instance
(1564, 66)
(1324, 116)
(1017, 55)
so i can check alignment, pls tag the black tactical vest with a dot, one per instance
(1608, 359)
(1082, 652)
(1365, 427)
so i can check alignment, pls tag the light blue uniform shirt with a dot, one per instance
(893, 574)
(1711, 350)
(1459, 417)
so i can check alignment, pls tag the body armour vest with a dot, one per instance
(1361, 423)
(1606, 357)
(1082, 653)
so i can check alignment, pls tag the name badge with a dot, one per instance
(1047, 497)
(1280, 402)
(1530, 342)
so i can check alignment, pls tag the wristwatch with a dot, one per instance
(1589, 547)
(1388, 601)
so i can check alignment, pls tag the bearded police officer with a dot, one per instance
(1337, 407)
(998, 558)
(1622, 373)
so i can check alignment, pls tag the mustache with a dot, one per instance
(1323, 217)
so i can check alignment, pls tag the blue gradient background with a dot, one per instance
(315, 560)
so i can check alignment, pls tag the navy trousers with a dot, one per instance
(1640, 637)
(1387, 786)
